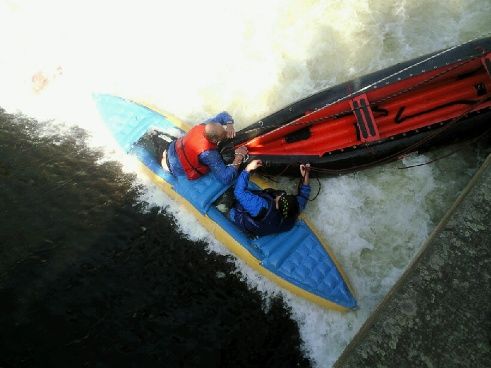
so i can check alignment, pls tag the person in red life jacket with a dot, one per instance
(196, 153)
(267, 211)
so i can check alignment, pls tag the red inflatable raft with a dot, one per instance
(436, 99)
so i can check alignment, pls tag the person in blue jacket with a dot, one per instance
(196, 153)
(267, 211)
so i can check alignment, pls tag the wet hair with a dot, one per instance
(288, 206)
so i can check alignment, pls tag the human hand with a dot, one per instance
(242, 150)
(305, 172)
(253, 165)
(240, 155)
(229, 128)
(304, 169)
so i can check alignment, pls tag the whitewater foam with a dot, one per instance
(249, 58)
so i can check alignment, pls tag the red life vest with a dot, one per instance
(189, 147)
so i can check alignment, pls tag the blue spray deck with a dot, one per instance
(297, 256)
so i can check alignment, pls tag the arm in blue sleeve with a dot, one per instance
(251, 202)
(222, 118)
(212, 158)
(303, 196)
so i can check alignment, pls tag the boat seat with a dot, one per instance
(365, 121)
(201, 192)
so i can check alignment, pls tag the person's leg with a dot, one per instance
(161, 142)
(148, 144)
(226, 201)
(155, 142)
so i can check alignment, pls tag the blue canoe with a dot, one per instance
(297, 260)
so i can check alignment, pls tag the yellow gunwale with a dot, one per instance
(234, 246)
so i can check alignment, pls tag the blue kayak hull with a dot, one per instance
(297, 260)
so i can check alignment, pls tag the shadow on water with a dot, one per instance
(88, 278)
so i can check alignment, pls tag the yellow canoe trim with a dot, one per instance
(175, 120)
(225, 238)
(222, 236)
(330, 252)
(263, 183)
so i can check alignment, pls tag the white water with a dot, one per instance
(196, 58)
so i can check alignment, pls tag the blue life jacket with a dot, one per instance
(268, 221)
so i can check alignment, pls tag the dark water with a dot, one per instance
(91, 278)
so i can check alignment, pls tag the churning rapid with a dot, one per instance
(195, 59)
